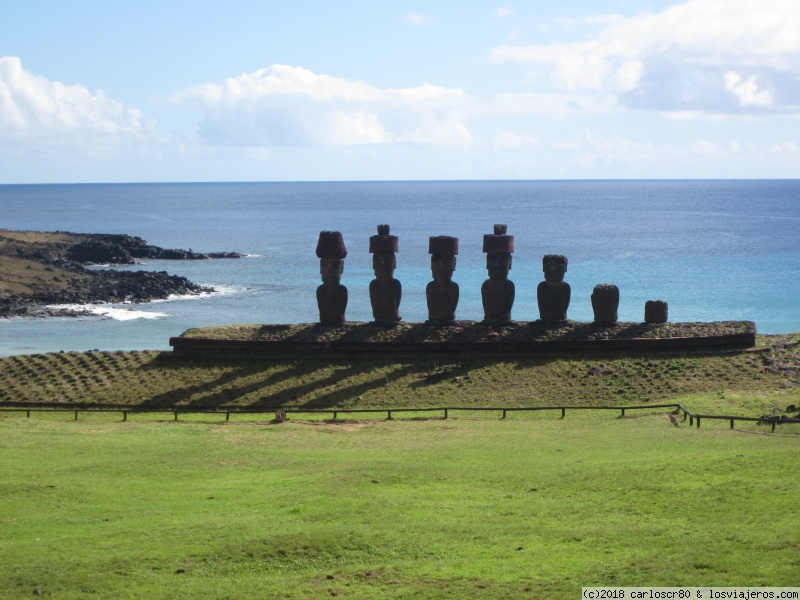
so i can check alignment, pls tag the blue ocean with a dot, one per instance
(714, 250)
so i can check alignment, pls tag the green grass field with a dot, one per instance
(533, 506)
(470, 507)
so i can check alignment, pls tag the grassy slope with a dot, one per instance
(529, 507)
(752, 382)
(27, 276)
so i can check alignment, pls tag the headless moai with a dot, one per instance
(442, 292)
(553, 294)
(605, 302)
(384, 291)
(655, 311)
(331, 295)
(498, 291)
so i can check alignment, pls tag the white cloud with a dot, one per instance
(504, 12)
(356, 128)
(707, 148)
(547, 105)
(37, 112)
(676, 59)
(292, 106)
(419, 19)
(515, 140)
(747, 91)
(786, 151)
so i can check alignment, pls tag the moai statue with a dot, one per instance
(331, 295)
(442, 292)
(553, 293)
(498, 291)
(384, 291)
(655, 311)
(605, 302)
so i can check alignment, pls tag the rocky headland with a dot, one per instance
(41, 269)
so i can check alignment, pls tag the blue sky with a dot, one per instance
(98, 91)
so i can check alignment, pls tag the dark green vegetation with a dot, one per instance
(472, 507)
(750, 382)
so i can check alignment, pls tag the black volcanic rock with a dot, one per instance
(117, 249)
(67, 281)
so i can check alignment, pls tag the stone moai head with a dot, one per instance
(554, 267)
(655, 311)
(383, 247)
(331, 252)
(605, 302)
(443, 250)
(498, 248)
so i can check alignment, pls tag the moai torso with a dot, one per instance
(442, 292)
(553, 294)
(605, 302)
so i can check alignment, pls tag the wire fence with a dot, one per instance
(281, 414)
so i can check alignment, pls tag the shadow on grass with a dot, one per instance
(321, 391)
(339, 396)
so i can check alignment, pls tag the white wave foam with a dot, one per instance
(219, 290)
(108, 312)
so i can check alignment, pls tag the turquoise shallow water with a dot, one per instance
(715, 250)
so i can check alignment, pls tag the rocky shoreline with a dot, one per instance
(42, 269)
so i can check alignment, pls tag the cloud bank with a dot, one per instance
(719, 56)
(36, 112)
(291, 106)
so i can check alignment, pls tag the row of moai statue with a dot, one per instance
(497, 292)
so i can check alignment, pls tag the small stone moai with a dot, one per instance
(655, 311)
(605, 302)
(498, 291)
(553, 293)
(331, 295)
(442, 292)
(384, 291)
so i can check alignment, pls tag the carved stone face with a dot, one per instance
(442, 267)
(384, 264)
(498, 265)
(331, 269)
(554, 273)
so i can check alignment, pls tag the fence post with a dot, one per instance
(445, 413)
(773, 426)
(691, 421)
(504, 413)
(228, 416)
(731, 423)
(563, 413)
(623, 413)
(334, 415)
(124, 415)
(29, 414)
(176, 416)
(698, 422)
(389, 415)
(76, 415)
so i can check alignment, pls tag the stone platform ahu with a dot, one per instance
(442, 331)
